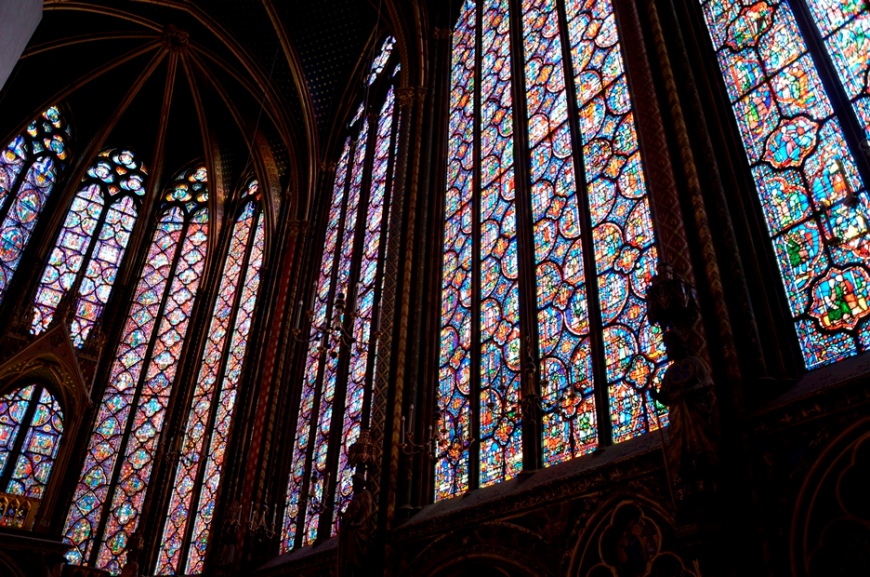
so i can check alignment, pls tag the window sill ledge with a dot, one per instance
(618, 463)
(819, 393)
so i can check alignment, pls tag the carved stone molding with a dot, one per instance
(830, 529)
(297, 227)
(629, 537)
(484, 547)
(408, 96)
(846, 398)
(617, 474)
(442, 34)
(175, 39)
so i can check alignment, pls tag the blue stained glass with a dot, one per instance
(454, 385)
(29, 168)
(85, 254)
(814, 201)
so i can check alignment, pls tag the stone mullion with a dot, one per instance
(137, 395)
(703, 234)
(366, 415)
(23, 429)
(857, 141)
(590, 266)
(530, 379)
(672, 240)
(157, 498)
(405, 98)
(286, 397)
(220, 373)
(428, 299)
(324, 529)
(416, 462)
(124, 298)
(328, 324)
(412, 187)
(250, 442)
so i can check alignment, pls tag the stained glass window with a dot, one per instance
(31, 426)
(120, 457)
(586, 213)
(30, 166)
(811, 191)
(92, 243)
(339, 370)
(382, 58)
(845, 28)
(206, 431)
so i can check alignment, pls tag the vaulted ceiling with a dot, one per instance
(177, 80)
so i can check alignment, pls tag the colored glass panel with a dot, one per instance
(131, 416)
(500, 377)
(66, 259)
(39, 451)
(112, 418)
(814, 200)
(320, 474)
(323, 290)
(13, 407)
(569, 427)
(382, 58)
(365, 304)
(622, 229)
(198, 426)
(454, 381)
(226, 402)
(11, 161)
(29, 168)
(87, 261)
(148, 418)
(845, 28)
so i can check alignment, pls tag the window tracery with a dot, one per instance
(187, 525)
(30, 166)
(337, 383)
(31, 427)
(92, 243)
(592, 249)
(123, 446)
(809, 180)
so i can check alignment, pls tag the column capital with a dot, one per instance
(406, 97)
(297, 227)
(442, 34)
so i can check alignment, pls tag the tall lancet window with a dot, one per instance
(845, 28)
(31, 427)
(339, 374)
(123, 447)
(91, 244)
(30, 166)
(198, 473)
(802, 140)
(576, 229)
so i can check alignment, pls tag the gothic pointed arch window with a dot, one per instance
(31, 427)
(548, 243)
(335, 401)
(91, 244)
(796, 75)
(122, 450)
(187, 524)
(30, 167)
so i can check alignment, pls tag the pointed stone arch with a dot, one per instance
(51, 360)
